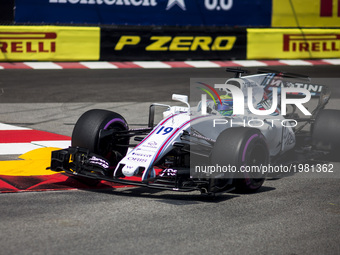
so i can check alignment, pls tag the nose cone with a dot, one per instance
(130, 170)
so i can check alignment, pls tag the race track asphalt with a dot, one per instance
(287, 216)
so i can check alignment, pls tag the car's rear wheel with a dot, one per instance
(239, 149)
(326, 132)
(89, 132)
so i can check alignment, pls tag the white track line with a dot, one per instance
(151, 64)
(16, 148)
(249, 63)
(11, 127)
(43, 65)
(332, 61)
(296, 62)
(99, 65)
(202, 64)
(58, 144)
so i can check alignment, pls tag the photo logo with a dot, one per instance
(208, 92)
(277, 100)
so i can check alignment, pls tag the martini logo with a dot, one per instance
(27, 42)
(311, 42)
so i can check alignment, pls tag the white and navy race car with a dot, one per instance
(211, 147)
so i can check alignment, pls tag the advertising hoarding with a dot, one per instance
(293, 43)
(49, 43)
(172, 44)
(306, 13)
(146, 12)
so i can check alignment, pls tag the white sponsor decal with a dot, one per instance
(144, 155)
(98, 161)
(136, 159)
(168, 172)
(108, 2)
(212, 5)
(151, 144)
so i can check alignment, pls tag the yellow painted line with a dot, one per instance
(32, 163)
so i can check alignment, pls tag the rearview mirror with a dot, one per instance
(181, 98)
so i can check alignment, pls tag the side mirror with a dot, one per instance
(181, 98)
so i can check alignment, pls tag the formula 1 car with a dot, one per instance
(175, 153)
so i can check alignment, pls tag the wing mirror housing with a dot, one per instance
(181, 98)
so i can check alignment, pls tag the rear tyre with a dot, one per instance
(89, 132)
(235, 148)
(326, 132)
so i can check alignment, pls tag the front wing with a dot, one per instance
(80, 162)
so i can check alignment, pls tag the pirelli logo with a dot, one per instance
(311, 42)
(28, 42)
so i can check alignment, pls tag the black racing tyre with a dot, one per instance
(326, 131)
(240, 147)
(86, 133)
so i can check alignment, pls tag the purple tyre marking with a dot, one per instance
(246, 147)
(115, 120)
(247, 179)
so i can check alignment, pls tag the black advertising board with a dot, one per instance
(166, 43)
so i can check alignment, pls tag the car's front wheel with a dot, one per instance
(243, 150)
(89, 133)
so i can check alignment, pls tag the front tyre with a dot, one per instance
(90, 127)
(240, 148)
